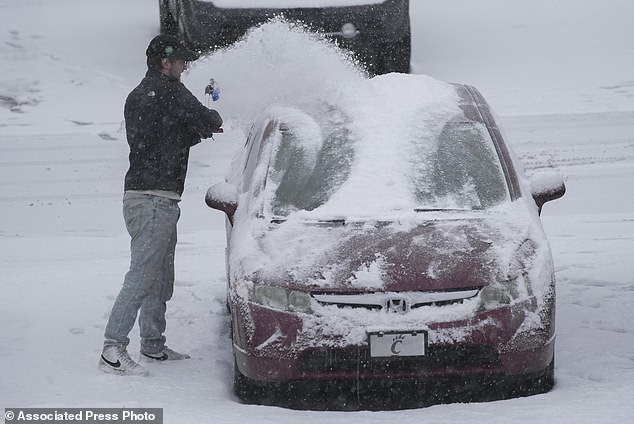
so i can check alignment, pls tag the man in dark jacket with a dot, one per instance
(163, 120)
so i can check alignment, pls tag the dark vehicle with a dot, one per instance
(377, 31)
(364, 255)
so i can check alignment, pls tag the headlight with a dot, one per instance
(504, 293)
(280, 298)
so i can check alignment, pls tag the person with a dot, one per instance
(163, 119)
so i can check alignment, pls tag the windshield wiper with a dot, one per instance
(339, 221)
(474, 208)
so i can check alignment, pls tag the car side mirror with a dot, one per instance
(223, 197)
(546, 186)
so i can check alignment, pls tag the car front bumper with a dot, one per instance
(275, 346)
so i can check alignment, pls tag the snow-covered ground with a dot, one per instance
(559, 74)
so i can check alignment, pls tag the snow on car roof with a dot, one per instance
(393, 113)
(384, 114)
(397, 143)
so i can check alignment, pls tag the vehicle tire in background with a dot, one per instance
(168, 24)
(396, 56)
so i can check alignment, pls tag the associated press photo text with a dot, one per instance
(84, 415)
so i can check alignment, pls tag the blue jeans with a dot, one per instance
(149, 284)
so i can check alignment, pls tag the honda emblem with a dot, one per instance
(398, 306)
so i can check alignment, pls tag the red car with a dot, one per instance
(384, 245)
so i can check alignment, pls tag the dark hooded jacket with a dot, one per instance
(163, 120)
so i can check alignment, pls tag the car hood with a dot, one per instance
(439, 254)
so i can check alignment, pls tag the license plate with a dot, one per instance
(398, 343)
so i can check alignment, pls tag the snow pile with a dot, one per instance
(276, 63)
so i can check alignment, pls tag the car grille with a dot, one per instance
(399, 302)
(359, 360)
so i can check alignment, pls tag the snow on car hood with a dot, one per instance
(419, 252)
(284, 4)
(380, 256)
(502, 250)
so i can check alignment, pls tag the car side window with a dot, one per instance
(258, 138)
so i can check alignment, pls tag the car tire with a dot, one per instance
(543, 382)
(251, 391)
(546, 381)
(168, 24)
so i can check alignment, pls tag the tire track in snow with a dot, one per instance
(555, 141)
(62, 167)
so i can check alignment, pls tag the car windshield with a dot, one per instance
(305, 173)
(449, 165)
(462, 171)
